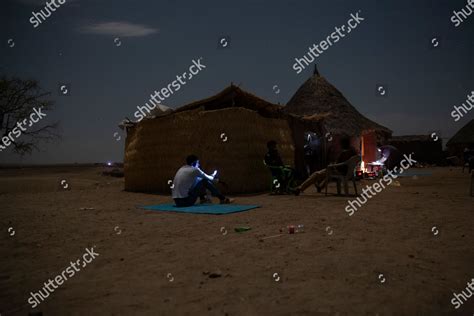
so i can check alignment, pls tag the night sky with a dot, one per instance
(75, 45)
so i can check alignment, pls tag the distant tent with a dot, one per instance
(462, 139)
(318, 97)
(228, 132)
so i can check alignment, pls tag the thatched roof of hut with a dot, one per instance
(160, 110)
(464, 136)
(233, 96)
(318, 96)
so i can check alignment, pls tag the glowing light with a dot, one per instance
(362, 166)
(109, 163)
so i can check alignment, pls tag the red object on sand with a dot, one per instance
(291, 229)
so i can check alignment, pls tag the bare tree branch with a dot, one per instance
(18, 99)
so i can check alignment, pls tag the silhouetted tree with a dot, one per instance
(18, 99)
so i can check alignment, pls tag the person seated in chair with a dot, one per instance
(190, 182)
(318, 178)
(279, 170)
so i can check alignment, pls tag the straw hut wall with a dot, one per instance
(464, 138)
(228, 132)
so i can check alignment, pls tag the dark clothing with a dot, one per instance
(467, 155)
(345, 155)
(273, 159)
(198, 190)
(392, 155)
(285, 175)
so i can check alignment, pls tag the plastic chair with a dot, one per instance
(332, 173)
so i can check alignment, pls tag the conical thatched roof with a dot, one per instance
(318, 96)
(464, 136)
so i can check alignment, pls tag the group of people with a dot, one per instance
(317, 178)
(192, 183)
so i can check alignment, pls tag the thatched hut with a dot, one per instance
(464, 138)
(424, 147)
(318, 97)
(228, 131)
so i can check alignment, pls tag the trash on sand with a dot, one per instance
(273, 236)
(292, 229)
(396, 184)
(87, 208)
(242, 229)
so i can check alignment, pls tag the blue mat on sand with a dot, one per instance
(215, 209)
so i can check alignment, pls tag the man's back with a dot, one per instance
(184, 180)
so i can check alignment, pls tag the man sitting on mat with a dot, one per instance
(190, 182)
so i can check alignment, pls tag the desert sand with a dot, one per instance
(404, 253)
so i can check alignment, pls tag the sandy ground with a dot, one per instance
(153, 263)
